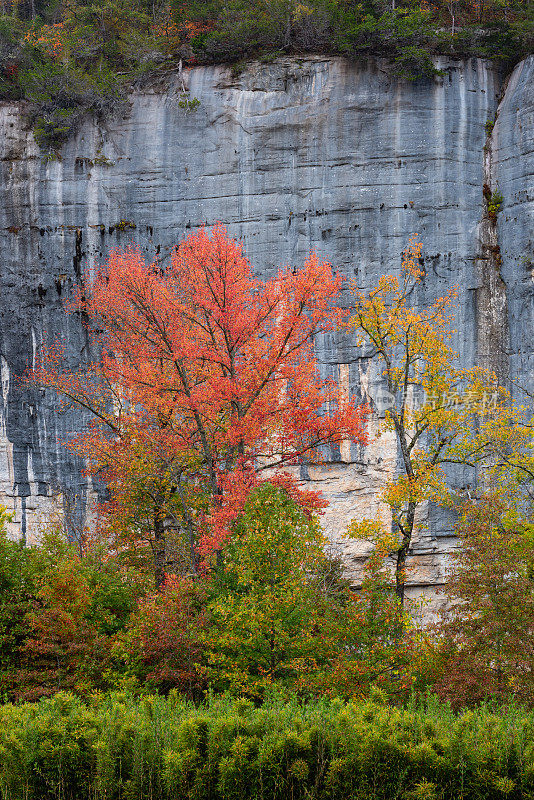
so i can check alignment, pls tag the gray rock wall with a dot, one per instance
(513, 176)
(299, 155)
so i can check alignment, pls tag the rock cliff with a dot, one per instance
(298, 155)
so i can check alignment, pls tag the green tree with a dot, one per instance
(17, 594)
(281, 612)
(487, 632)
(264, 616)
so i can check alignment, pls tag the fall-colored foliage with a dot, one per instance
(276, 611)
(441, 415)
(63, 644)
(207, 375)
(487, 631)
(59, 615)
(206, 393)
(163, 646)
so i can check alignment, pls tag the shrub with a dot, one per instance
(59, 615)
(414, 63)
(166, 749)
(163, 645)
(495, 202)
(17, 592)
(62, 95)
(487, 644)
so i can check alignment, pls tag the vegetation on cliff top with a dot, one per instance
(69, 57)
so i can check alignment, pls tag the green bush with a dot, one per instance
(62, 95)
(495, 202)
(59, 615)
(168, 749)
(414, 63)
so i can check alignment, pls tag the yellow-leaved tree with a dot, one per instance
(440, 414)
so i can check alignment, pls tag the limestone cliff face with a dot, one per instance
(302, 154)
(512, 167)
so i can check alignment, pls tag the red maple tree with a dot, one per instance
(207, 378)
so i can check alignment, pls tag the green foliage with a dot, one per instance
(112, 594)
(17, 590)
(157, 748)
(282, 615)
(414, 63)
(406, 36)
(72, 59)
(264, 620)
(277, 612)
(58, 614)
(486, 643)
(47, 750)
(189, 104)
(495, 202)
(62, 95)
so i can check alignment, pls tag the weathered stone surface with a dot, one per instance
(513, 176)
(297, 155)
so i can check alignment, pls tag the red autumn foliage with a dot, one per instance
(235, 488)
(11, 71)
(64, 649)
(209, 366)
(165, 636)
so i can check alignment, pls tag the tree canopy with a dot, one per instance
(207, 379)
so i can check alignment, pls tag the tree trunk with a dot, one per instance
(287, 33)
(159, 547)
(192, 549)
(400, 573)
(190, 527)
(402, 552)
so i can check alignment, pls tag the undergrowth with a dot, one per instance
(116, 747)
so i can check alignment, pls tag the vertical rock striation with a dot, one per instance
(299, 155)
(512, 148)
